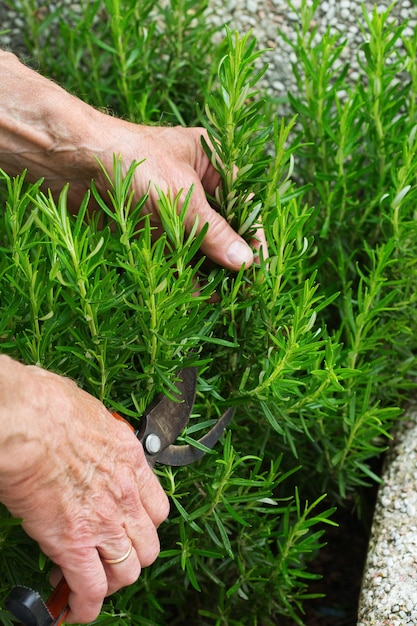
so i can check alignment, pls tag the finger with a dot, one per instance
(91, 580)
(153, 498)
(139, 506)
(123, 567)
(55, 576)
(87, 581)
(137, 528)
(143, 490)
(94, 574)
(211, 180)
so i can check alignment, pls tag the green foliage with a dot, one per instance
(119, 313)
(145, 60)
(358, 156)
(314, 346)
(235, 127)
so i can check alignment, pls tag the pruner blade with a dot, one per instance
(184, 455)
(166, 419)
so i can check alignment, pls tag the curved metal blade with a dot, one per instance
(184, 455)
(165, 419)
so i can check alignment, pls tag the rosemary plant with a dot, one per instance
(314, 346)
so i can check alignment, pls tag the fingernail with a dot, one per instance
(239, 253)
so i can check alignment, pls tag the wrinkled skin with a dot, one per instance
(82, 486)
(57, 136)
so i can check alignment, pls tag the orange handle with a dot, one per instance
(57, 603)
(122, 419)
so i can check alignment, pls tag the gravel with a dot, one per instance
(389, 589)
(265, 18)
(389, 586)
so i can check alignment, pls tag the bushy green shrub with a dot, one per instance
(314, 346)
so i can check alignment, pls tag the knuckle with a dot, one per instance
(86, 608)
(125, 577)
(85, 616)
(158, 507)
(148, 546)
(97, 591)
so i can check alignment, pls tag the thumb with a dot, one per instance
(221, 244)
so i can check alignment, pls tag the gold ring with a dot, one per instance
(120, 559)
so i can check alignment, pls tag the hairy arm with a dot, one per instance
(43, 128)
(57, 136)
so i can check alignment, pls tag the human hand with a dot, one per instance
(58, 137)
(80, 481)
(174, 160)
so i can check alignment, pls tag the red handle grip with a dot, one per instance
(57, 603)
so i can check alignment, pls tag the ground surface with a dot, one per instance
(340, 564)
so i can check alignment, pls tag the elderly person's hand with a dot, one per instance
(57, 136)
(80, 481)
(174, 161)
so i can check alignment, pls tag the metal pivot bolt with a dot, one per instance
(153, 443)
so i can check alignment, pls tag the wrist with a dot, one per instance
(44, 129)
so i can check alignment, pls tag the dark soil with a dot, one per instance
(340, 563)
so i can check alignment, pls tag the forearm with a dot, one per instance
(42, 127)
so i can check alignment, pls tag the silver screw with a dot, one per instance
(153, 443)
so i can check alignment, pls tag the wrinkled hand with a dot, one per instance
(58, 137)
(80, 481)
(175, 161)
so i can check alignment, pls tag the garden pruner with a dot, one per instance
(159, 427)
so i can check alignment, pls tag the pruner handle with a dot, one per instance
(29, 608)
(122, 419)
(57, 603)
